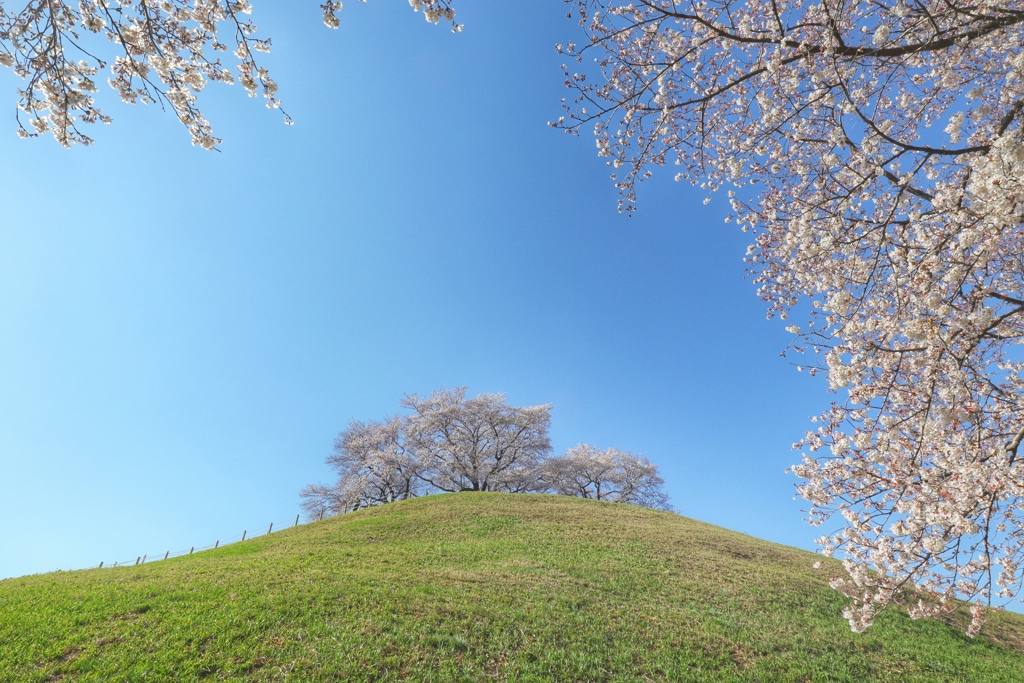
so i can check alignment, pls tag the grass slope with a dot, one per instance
(471, 587)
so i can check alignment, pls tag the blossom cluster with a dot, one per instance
(164, 51)
(436, 11)
(876, 153)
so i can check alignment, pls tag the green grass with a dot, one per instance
(474, 587)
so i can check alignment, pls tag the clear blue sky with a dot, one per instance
(183, 332)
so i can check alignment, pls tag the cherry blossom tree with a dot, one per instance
(479, 443)
(875, 152)
(588, 472)
(450, 443)
(374, 466)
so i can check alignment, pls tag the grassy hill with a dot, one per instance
(474, 587)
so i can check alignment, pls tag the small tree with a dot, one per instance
(477, 444)
(611, 474)
(374, 466)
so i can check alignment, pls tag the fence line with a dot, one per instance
(237, 538)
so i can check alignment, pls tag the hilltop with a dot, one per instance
(481, 586)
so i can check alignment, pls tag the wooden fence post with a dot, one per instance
(243, 534)
(144, 559)
(191, 549)
(296, 520)
(271, 529)
(137, 561)
(215, 545)
(101, 565)
(321, 516)
(167, 554)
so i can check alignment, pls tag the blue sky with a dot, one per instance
(184, 332)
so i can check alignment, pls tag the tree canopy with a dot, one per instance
(588, 472)
(451, 443)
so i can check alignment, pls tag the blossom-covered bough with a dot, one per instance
(875, 151)
(149, 51)
(164, 51)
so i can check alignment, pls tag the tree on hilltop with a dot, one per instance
(587, 472)
(374, 466)
(451, 443)
(448, 443)
(479, 443)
